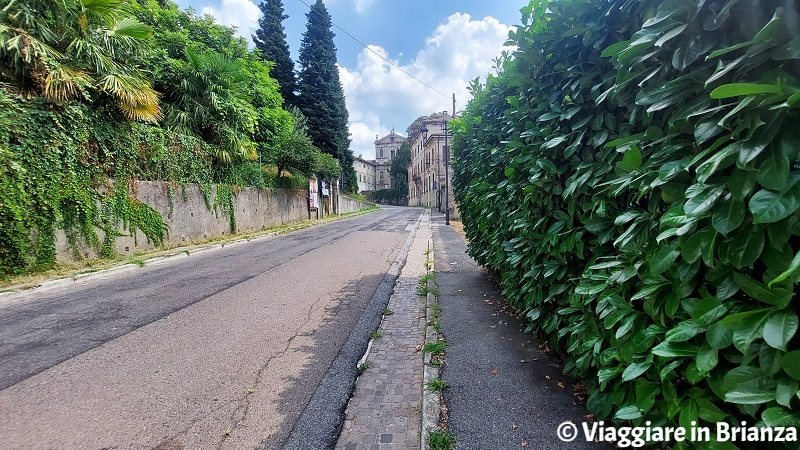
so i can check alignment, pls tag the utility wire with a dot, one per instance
(379, 55)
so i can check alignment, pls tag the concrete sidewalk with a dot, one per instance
(504, 391)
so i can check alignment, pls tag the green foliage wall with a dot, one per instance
(67, 152)
(56, 163)
(631, 173)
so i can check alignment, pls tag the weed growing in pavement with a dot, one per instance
(435, 362)
(437, 385)
(425, 278)
(387, 311)
(363, 367)
(436, 310)
(425, 290)
(376, 335)
(441, 440)
(436, 348)
(136, 261)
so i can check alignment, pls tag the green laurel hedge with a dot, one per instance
(631, 174)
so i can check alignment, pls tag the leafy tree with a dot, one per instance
(321, 97)
(295, 151)
(75, 49)
(270, 39)
(399, 170)
(327, 167)
(217, 89)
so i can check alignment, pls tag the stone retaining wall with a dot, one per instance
(190, 220)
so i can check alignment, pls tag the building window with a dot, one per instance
(381, 153)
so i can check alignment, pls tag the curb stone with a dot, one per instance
(431, 401)
(99, 274)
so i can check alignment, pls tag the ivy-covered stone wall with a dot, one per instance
(194, 213)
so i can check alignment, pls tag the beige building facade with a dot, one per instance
(428, 180)
(375, 174)
(365, 173)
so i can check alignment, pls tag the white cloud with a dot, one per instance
(380, 96)
(242, 14)
(361, 6)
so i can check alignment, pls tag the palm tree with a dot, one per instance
(212, 102)
(71, 48)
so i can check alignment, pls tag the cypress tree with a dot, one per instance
(270, 39)
(321, 97)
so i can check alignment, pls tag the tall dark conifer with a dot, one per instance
(321, 97)
(270, 39)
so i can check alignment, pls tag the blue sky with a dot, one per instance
(444, 43)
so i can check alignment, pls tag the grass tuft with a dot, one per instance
(437, 385)
(436, 348)
(441, 440)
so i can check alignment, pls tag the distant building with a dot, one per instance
(427, 183)
(376, 174)
(365, 173)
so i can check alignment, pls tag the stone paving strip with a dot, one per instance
(384, 412)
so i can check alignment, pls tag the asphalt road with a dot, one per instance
(223, 349)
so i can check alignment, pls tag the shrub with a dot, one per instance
(631, 175)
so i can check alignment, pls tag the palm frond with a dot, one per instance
(136, 97)
(64, 82)
(95, 54)
(105, 11)
(132, 28)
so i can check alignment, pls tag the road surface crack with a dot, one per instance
(240, 414)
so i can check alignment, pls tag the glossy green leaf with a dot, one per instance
(791, 364)
(749, 329)
(635, 370)
(703, 200)
(771, 296)
(748, 385)
(745, 250)
(687, 53)
(741, 89)
(773, 173)
(632, 159)
(675, 349)
(769, 360)
(792, 272)
(684, 331)
(770, 206)
(707, 358)
(727, 215)
(780, 417)
(628, 413)
(786, 390)
(780, 329)
(663, 259)
(614, 49)
(709, 412)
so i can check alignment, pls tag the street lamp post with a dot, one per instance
(446, 177)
